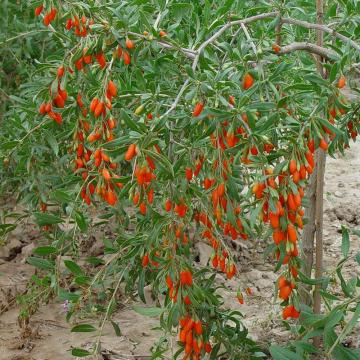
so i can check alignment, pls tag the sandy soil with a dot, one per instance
(51, 337)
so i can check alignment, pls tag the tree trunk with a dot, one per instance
(320, 170)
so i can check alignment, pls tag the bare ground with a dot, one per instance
(51, 339)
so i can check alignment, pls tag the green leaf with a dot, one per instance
(52, 142)
(131, 123)
(345, 244)
(116, 328)
(45, 250)
(350, 325)
(73, 267)
(61, 196)
(356, 232)
(189, 71)
(65, 295)
(357, 257)
(345, 288)
(6, 228)
(328, 125)
(310, 281)
(43, 264)
(47, 219)
(343, 353)
(81, 221)
(279, 353)
(83, 328)
(141, 285)
(80, 352)
(214, 352)
(148, 311)
(162, 160)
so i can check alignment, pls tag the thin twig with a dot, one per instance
(38, 126)
(245, 30)
(188, 52)
(25, 34)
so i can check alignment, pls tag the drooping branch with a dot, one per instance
(312, 48)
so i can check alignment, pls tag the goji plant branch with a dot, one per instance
(24, 34)
(38, 126)
(322, 28)
(227, 26)
(188, 52)
(246, 32)
(177, 99)
(312, 48)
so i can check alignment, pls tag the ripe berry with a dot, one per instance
(248, 81)
(198, 109)
(342, 82)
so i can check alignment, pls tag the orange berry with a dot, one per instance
(112, 89)
(142, 208)
(198, 109)
(323, 144)
(99, 109)
(248, 81)
(131, 152)
(93, 104)
(127, 58)
(284, 292)
(168, 205)
(129, 44)
(291, 231)
(188, 174)
(292, 166)
(341, 82)
(106, 174)
(145, 260)
(60, 71)
(38, 10)
(276, 48)
(186, 277)
(198, 327)
(232, 100)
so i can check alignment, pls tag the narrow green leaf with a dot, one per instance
(73, 267)
(345, 244)
(43, 264)
(279, 353)
(45, 250)
(80, 352)
(52, 142)
(83, 328)
(81, 221)
(43, 219)
(116, 328)
(150, 311)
